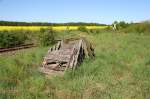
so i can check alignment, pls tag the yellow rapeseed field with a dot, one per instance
(34, 28)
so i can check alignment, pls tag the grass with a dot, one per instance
(35, 28)
(120, 70)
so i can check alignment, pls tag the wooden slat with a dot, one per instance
(79, 46)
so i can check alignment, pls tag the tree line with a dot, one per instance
(12, 23)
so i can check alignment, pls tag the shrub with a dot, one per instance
(120, 25)
(12, 38)
(68, 30)
(141, 28)
(47, 37)
(82, 29)
(94, 31)
(138, 28)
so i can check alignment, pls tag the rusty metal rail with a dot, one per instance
(25, 46)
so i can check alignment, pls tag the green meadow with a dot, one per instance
(120, 70)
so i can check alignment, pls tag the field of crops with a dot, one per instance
(54, 27)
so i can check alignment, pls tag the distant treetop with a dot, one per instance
(12, 23)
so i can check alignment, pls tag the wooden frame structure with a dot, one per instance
(67, 54)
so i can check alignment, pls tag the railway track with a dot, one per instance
(25, 46)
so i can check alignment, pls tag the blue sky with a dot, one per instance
(100, 11)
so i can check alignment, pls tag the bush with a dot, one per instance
(141, 28)
(82, 29)
(94, 31)
(47, 36)
(138, 28)
(12, 38)
(120, 25)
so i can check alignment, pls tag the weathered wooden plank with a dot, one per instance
(72, 59)
(79, 46)
(58, 45)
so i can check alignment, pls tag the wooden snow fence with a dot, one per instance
(67, 54)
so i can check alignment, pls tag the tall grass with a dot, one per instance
(120, 70)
